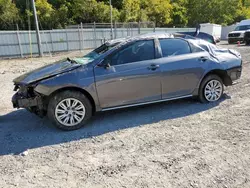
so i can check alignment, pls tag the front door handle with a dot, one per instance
(153, 67)
(202, 59)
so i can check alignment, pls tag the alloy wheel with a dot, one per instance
(70, 112)
(213, 90)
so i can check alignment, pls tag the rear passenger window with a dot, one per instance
(173, 47)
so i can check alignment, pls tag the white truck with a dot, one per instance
(212, 29)
(241, 33)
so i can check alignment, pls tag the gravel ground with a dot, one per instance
(173, 144)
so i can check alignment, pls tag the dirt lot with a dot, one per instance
(174, 144)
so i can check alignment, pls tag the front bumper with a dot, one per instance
(234, 73)
(235, 39)
(19, 101)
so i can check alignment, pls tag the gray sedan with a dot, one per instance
(127, 72)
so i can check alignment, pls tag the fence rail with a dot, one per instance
(24, 43)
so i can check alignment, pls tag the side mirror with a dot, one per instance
(106, 65)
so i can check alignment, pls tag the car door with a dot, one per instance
(129, 75)
(181, 69)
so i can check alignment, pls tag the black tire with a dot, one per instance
(248, 42)
(230, 42)
(59, 97)
(203, 84)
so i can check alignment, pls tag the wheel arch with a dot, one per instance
(72, 88)
(219, 72)
(222, 74)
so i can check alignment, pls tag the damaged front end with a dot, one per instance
(27, 98)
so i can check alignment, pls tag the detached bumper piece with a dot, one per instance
(234, 73)
(20, 102)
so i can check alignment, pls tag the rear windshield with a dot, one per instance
(242, 28)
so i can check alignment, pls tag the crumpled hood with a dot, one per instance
(46, 72)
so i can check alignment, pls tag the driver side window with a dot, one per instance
(138, 51)
(173, 47)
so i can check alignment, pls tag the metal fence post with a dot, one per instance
(82, 36)
(52, 47)
(95, 35)
(103, 37)
(79, 36)
(115, 30)
(139, 27)
(66, 33)
(131, 29)
(46, 42)
(19, 41)
(30, 43)
(127, 29)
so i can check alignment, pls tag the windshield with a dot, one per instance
(91, 56)
(242, 28)
(100, 50)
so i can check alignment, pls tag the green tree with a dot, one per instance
(64, 12)
(89, 11)
(243, 12)
(214, 11)
(45, 13)
(179, 13)
(115, 3)
(159, 11)
(130, 11)
(9, 15)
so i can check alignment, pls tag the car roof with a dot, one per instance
(140, 37)
(153, 35)
(122, 41)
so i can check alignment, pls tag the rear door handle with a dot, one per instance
(153, 67)
(202, 59)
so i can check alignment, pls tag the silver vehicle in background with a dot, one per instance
(127, 72)
(241, 33)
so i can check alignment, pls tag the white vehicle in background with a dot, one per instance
(239, 32)
(212, 29)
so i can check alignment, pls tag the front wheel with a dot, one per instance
(69, 110)
(211, 89)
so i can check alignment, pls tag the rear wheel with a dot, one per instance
(211, 89)
(69, 110)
